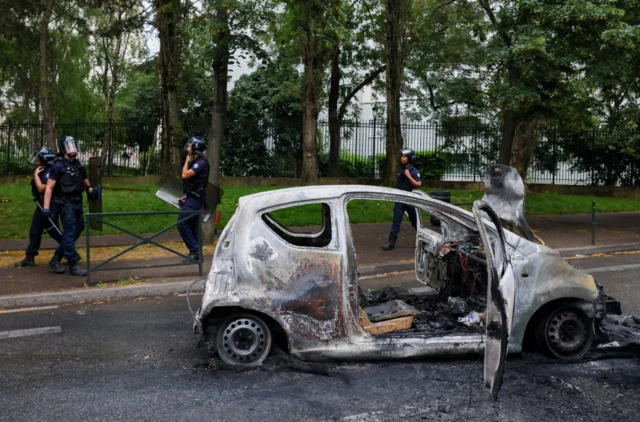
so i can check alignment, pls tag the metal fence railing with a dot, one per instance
(127, 149)
(455, 152)
(142, 240)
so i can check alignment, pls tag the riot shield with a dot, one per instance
(170, 191)
(95, 178)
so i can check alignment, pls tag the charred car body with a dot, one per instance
(269, 280)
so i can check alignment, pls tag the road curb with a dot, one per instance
(70, 296)
(391, 267)
(590, 250)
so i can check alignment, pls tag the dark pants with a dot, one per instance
(40, 223)
(189, 229)
(72, 227)
(398, 212)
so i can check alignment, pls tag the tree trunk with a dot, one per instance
(394, 74)
(523, 145)
(167, 18)
(219, 114)
(45, 100)
(509, 123)
(334, 120)
(311, 80)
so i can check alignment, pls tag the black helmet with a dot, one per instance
(44, 154)
(68, 145)
(197, 144)
(409, 154)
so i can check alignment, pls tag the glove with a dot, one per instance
(46, 212)
(94, 194)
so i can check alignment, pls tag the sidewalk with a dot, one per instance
(569, 234)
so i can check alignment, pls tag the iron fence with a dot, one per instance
(127, 149)
(455, 152)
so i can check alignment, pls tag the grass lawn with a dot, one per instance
(16, 207)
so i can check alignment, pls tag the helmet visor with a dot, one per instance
(70, 146)
(33, 157)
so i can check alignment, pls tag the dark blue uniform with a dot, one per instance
(194, 190)
(403, 183)
(39, 222)
(69, 177)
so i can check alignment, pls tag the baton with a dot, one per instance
(50, 220)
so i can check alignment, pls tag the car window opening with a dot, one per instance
(302, 236)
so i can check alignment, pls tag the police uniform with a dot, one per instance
(39, 222)
(403, 183)
(69, 177)
(194, 192)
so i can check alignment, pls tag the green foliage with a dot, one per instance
(432, 165)
(264, 107)
(351, 165)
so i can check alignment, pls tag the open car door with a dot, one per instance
(500, 298)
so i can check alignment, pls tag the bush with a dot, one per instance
(432, 165)
(351, 165)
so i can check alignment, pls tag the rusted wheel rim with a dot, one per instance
(244, 341)
(568, 333)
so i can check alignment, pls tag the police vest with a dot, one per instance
(71, 182)
(403, 181)
(196, 184)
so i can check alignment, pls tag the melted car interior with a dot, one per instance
(446, 293)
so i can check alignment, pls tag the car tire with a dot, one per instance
(565, 332)
(243, 340)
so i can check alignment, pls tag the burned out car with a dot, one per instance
(271, 280)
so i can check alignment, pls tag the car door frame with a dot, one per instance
(500, 297)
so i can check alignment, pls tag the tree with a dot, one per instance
(168, 19)
(536, 50)
(396, 51)
(360, 67)
(45, 96)
(262, 106)
(308, 27)
(115, 28)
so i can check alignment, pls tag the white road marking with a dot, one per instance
(30, 332)
(607, 269)
(36, 308)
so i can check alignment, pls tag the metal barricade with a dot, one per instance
(142, 240)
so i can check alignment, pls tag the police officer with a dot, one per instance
(408, 179)
(195, 174)
(43, 159)
(67, 180)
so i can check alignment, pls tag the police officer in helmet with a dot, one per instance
(408, 179)
(195, 175)
(67, 180)
(43, 159)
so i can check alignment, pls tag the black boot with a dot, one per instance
(54, 264)
(193, 257)
(391, 244)
(74, 269)
(28, 261)
(76, 258)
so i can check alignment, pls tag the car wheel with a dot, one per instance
(243, 340)
(566, 332)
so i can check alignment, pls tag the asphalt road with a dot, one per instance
(619, 273)
(136, 360)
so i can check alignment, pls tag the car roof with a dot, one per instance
(278, 197)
